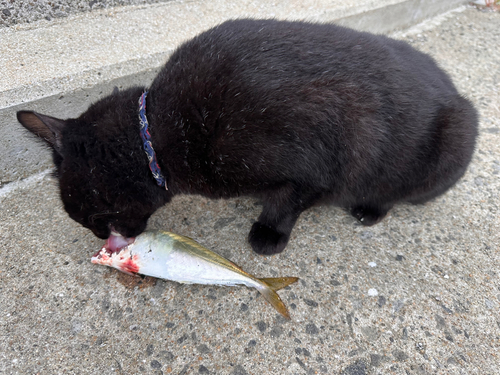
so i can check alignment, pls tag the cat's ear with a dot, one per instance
(48, 128)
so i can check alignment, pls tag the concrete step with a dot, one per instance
(60, 66)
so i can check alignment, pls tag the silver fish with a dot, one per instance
(178, 258)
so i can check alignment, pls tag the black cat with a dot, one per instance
(292, 112)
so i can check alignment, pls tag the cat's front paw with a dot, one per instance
(265, 240)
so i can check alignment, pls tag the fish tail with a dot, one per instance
(268, 291)
(277, 283)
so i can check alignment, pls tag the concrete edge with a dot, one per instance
(398, 16)
(26, 183)
(84, 79)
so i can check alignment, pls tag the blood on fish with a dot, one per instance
(130, 265)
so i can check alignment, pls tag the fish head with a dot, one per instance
(116, 253)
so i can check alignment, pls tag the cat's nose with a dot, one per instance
(129, 229)
(102, 233)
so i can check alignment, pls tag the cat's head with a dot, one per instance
(104, 179)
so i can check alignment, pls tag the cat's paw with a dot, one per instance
(367, 215)
(265, 240)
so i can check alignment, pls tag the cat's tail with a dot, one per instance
(457, 123)
(456, 129)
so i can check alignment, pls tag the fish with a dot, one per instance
(174, 257)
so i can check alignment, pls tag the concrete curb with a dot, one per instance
(398, 16)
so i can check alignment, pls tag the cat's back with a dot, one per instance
(266, 52)
(270, 62)
(299, 100)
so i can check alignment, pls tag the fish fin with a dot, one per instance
(268, 291)
(272, 297)
(277, 283)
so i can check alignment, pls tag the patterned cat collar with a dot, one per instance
(148, 147)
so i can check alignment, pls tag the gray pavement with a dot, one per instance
(418, 293)
(23, 11)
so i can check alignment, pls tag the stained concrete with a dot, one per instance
(418, 293)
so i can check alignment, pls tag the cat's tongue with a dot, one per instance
(114, 244)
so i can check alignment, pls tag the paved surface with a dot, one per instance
(418, 293)
(25, 11)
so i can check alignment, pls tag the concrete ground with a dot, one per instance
(419, 293)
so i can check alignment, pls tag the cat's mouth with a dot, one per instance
(114, 244)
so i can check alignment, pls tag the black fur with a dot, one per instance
(292, 112)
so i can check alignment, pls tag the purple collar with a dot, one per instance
(148, 147)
